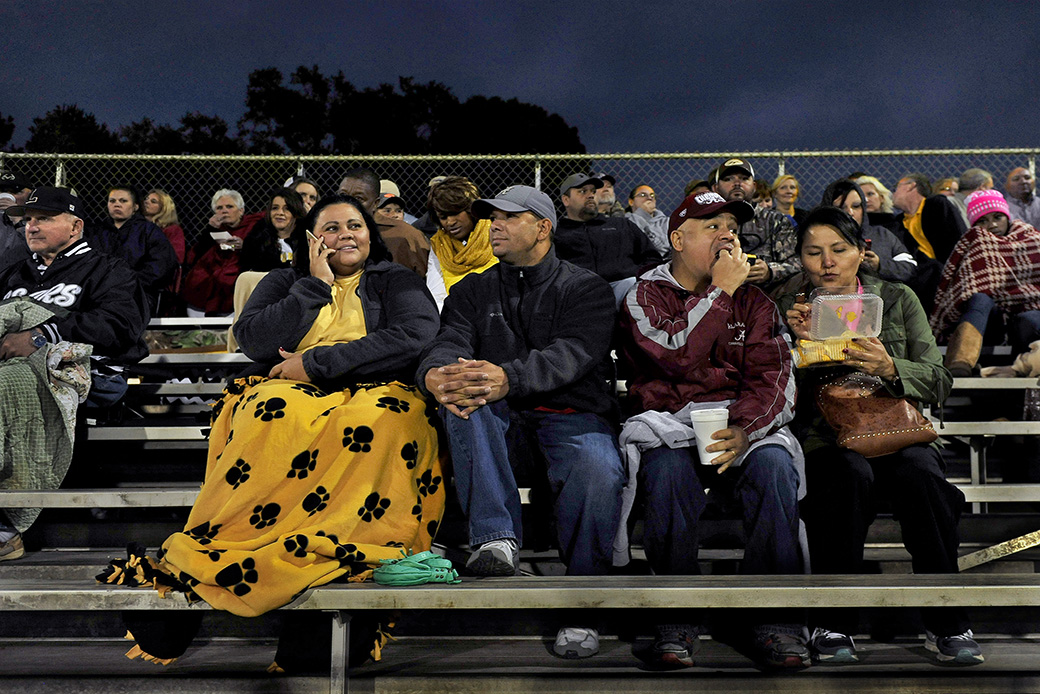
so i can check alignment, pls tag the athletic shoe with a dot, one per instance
(959, 648)
(831, 647)
(780, 650)
(576, 642)
(676, 644)
(12, 549)
(495, 558)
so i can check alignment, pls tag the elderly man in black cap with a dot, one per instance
(85, 298)
(612, 247)
(770, 235)
(606, 199)
(521, 364)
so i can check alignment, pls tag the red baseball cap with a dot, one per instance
(709, 204)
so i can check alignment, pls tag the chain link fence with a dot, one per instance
(192, 180)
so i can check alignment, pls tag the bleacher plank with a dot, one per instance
(99, 498)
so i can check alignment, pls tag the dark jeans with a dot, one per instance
(584, 469)
(1022, 328)
(845, 491)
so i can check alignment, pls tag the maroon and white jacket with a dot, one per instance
(680, 347)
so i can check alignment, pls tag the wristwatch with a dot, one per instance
(37, 337)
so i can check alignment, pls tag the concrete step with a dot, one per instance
(488, 666)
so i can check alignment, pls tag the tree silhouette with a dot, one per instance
(6, 129)
(69, 129)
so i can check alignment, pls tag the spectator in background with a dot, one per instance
(159, 209)
(886, 256)
(643, 212)
(407, 244)
(947, 187)
(209, 285)
(879, 203)
(763, 194)
(15, 190)
(390, 209)
(929, 222)
(1021, 198)
(390, 188)
(612, 247)
(272, 243)
(308, 191)
(462, 245)
(769, 235)
(128, 235)
(606, 199)
(523, 355)
(990, 285)
(972, 180)
(97, 301)
(427, 223)
(698, 185)
(786, 190)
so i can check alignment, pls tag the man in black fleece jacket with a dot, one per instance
(522, 355)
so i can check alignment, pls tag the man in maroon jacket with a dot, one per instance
(697, 335)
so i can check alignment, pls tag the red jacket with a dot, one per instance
(210, 283)
(684, 347)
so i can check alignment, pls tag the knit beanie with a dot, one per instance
(982, 202)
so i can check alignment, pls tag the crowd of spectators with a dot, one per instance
(345, 292)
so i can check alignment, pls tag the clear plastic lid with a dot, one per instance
(845, 312)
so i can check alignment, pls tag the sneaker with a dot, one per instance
(12, 549)
(576, 642)
(676, 644)
(831, 647)
(780, 650)
(495, 558)
(959, 648)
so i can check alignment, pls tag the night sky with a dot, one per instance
(633, 77)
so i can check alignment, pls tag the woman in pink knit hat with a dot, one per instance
(990, 286)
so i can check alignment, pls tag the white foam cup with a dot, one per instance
(706, 423)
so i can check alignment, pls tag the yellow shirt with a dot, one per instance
(342, 320)
(913, 225)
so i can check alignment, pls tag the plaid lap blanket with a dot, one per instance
(1007, 268)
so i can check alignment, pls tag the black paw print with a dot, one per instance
(327, 412)
(309, 389)
(394, 543)
(270, 409)
(303, 464)
(264, 516)
(357, 440)
(322, 533)
(417, 509)
(236, 576)
(431, 528)
(213, 554)
(393, 404)
(236, 387)
(296, 545)
(317, 501)
(410, 453)
(238, 474)
(428, 483)
(187, 579)
(203, 534)
(374, 507)
(215, 411)
(349, 554)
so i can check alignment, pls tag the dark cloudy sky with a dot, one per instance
(632, 76)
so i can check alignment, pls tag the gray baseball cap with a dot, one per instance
(518, 199)
(578, 180)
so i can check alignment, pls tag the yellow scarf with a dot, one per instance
(913, 225)
(458, 259)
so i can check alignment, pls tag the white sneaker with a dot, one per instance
(576, 642)
(495, 558)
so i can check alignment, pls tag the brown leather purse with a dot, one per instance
(867, 419)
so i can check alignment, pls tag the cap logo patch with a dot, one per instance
(32, 198)
(682, 212)
(708, 198)
(72, 208)
(504, 191)
(733, 162)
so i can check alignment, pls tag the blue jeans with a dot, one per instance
(766, 485)
(1022, 328)
(585, 477)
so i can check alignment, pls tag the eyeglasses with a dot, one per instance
(649, 196)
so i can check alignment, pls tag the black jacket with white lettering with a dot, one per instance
(107, 306)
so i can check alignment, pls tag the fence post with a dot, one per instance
(59, 173)
(1032, 165)
(538, 174)
(780, 165)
